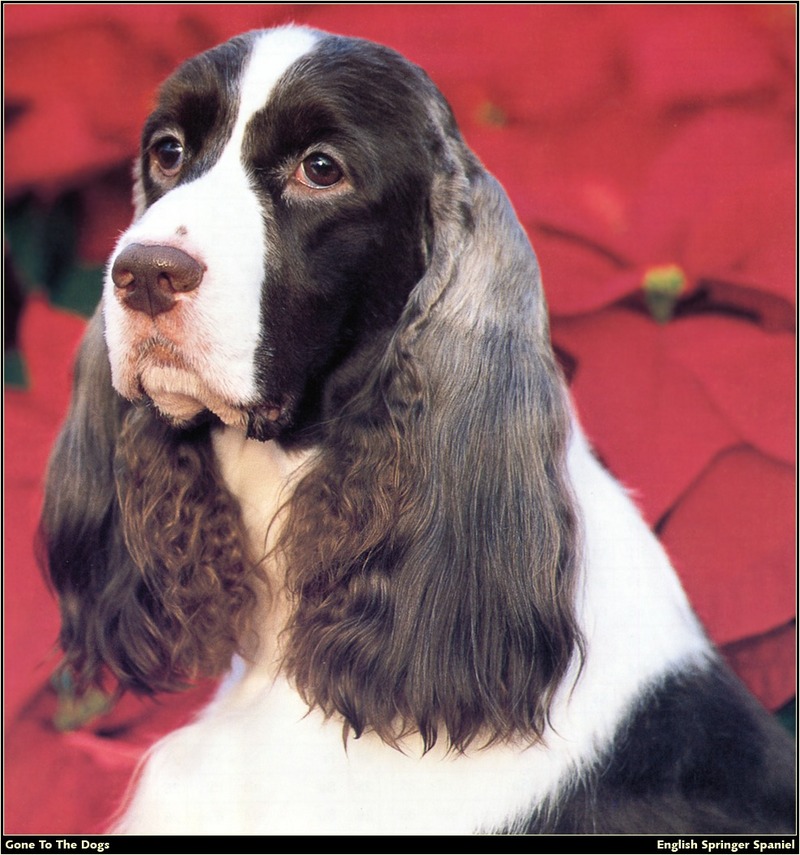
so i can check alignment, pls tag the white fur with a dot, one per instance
(257, 762)
(217, 219)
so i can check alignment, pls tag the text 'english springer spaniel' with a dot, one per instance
(318, 440)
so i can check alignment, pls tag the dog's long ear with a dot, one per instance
(432, 552)
(134, 526)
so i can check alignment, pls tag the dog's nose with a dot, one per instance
(147, 278)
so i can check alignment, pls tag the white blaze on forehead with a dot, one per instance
(218, 219)
(273, 53)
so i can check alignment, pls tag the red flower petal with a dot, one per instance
(577, 278)
(49, 339)
(697, 169)
(748, 375)
(31, 619)
(767, 663)
(747, 235)
(74, 86)
(698, 53)
(650, 418)
(81, 777)
(731, 540)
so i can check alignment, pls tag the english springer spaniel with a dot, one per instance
(318, 440)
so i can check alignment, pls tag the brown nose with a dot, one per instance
(148, 277)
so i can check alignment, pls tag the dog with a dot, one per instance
(319, 442)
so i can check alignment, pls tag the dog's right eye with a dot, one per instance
(319, 171)
(167, 155)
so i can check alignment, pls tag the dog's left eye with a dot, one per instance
(167, 153)
(319, 171)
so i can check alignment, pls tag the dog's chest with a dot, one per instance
(258, 762)
(260, 475)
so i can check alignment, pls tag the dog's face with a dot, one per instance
(283, 218)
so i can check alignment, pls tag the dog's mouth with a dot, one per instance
(267, 421)
(181, 395)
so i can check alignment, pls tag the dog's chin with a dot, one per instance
(181, 397)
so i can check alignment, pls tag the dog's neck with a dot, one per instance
(261, 476)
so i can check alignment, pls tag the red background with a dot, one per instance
(630, 139)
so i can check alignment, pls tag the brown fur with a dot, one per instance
(143, 542)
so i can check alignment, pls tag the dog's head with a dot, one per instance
(318, 258)
(284, 214)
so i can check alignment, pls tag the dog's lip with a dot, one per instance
(162, 374)
(272, 413)
(266, 421)
(263, 421)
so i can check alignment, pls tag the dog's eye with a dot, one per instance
(319, 171)
(167, 153)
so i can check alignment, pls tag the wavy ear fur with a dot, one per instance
(134, 523)
(432, 551)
